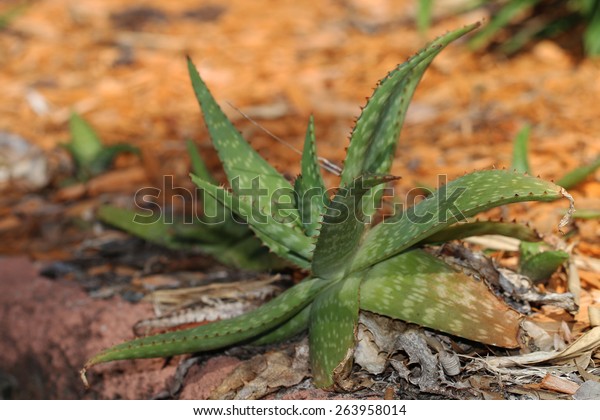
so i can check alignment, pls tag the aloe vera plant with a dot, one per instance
(351, 265)
(91, 157)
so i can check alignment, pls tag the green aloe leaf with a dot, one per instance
(332, 330)
(455, 201)
(309, 186)
(90, 156)
(239, 249)
(294, 326)
(478, 228)
(374, 138)
(214, 212)
(538, 263)
(578, 175)
(149, 228)
(247, 171)
(541, 266)
(285, 239)
(419, 288)
(85, 144)
(343, 227)
(246, 251)
(520, 161)
(198, 165)
(587, 214)
(219, 334)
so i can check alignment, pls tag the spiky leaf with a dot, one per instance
(309, 186)
(343, 227)
(292, 327)
(375, 135)
(478, 228)
(247, 171)
(285, 239)
(239, 248)
(214, 212)
(217, 334)
(418, 287)
(332, 327)
(455, 201)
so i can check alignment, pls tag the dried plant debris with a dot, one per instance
(266, 373)
(395, 350)
(518, 290)
(559, 372)
(202, 304)
(521, 289)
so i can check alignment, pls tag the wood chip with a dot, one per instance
(554, 383)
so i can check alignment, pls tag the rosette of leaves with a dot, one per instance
(349, 264)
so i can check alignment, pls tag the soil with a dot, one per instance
(122, 66)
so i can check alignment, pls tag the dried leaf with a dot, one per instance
(427, 377)
(540, 340)
(586, 344)
(264, 374)
(376, 341)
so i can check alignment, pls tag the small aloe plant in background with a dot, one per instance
(90, 156)
(350, 264)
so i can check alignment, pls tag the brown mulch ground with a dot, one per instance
(122, 66)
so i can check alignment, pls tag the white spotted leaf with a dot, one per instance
(248, 173)
(342, 227)
(417, 287)
(220, 334)
(374, 138)
(310, 190)
(479, 228)
(287, 240)
(332, 330)
(464, 197)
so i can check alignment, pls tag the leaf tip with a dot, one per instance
(569, 214)
(83, 377)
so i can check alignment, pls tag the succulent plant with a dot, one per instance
(90, 156)
(349, 263)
